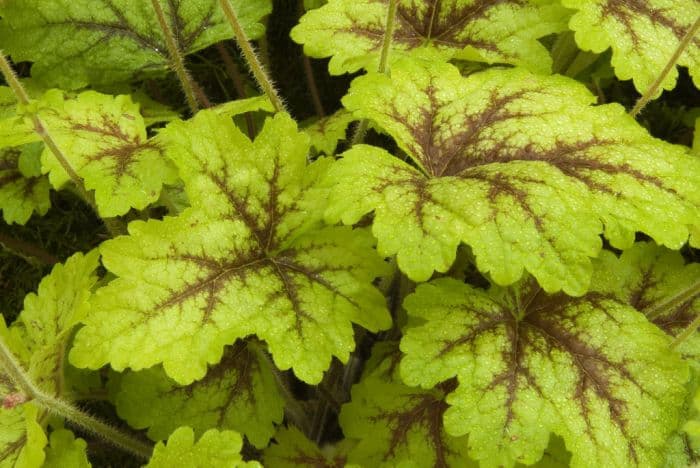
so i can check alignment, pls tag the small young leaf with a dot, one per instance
(647, 275)
(214, 449)
(504, 31)
(293, 450)
(397, 425)
(65, 451)
(592, 370)
(22, 192)
(104, 139)
(74, 43)
(518, 166)
(249, 257)
(325, 133)
(642, 34)
(239, 393)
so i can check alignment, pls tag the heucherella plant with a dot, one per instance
(454, 257)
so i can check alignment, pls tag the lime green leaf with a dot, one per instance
(241, 106)
(506, 31)
(397, 425)
(239, 393)
(520, 167)
(21, 194)
(48, 318)
(293, 450)
(104, 139)
(249, 257)
(65, 451)
(592, 370)
(646, 277)
(643, 35)
(326, 132)
(214, 449)
(78, 42)
(22, 439)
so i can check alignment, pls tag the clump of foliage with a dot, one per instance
(480, 257)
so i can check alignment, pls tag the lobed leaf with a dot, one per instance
(240, 393)
(74, 43)
(326, 132)
(293, 450)
(23, 190)
(643, 35)
(648, 278)
(214, 449)
(249, 257)
(65, 451)
(104, 139)
(503, 31)
(519, 167)
(592, 370)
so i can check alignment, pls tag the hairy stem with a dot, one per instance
(27, 250)
(64, 409)
(113, 225)
(361, 130)
(234, 73)
(259, 73)
(176, 58)
(659, 308)
(654, 88)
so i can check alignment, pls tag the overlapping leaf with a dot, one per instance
(519, 167)
(653, 280)
(39, 339)
(215, 449)
(104, 140)
(249, 257)
(23, 189)
(78, 42)
(293, 450)
(14, 131)
(239, 393)
(326, 132)
(397, 425)
(643, 35)
(503, 31)
(65, 451)
(591, 369)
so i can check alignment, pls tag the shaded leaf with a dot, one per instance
(22, 439)
(249, 257)
(65, 451)
(239, 393)
(643, 35)
(22, 193)
(519, 167)
(214, 449)
(398, 425)
(647, 276)
(104, 139)
(293, 450)
(325, 133)
(503, 31)
(78, 42)
(592, 370)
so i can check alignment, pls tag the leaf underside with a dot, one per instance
(592, 370)
(249, 257)
(503, 31)
(519, 167)
(78, 42)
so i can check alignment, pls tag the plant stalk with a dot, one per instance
(176, 58)
(27, 250)
(653, 89)
(234, 73)
(383, 67)
(113, 226)
(670, 303)
(61, 408)
(259, 73)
